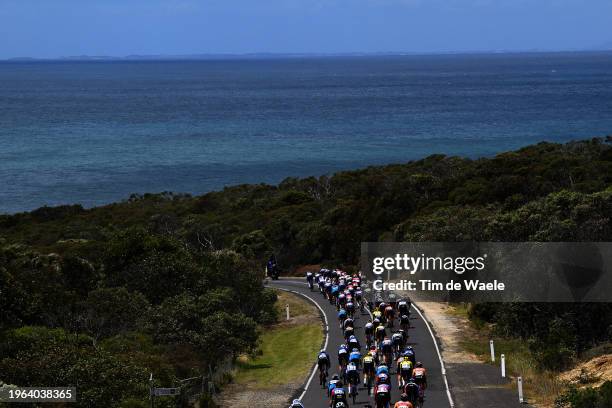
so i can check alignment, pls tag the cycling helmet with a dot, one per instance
(297, 404)
(404, 397)
(419, 364)
(355, 349)
(322, 351)
(352, 337)
(406, 354)
(335, 377)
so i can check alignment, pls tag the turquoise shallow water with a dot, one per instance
(95, 132)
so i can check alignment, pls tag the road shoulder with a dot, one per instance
(465, 371)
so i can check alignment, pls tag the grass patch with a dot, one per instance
(287, 355)
(286, 350)
(298, 306)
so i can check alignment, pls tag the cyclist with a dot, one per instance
(369, 332)
(332, 384)
(321, 282)
(404, 370)
(349, 332)
(386, 347)
(405, 322)
(348, 322)
(338, 395)
(380, 333)
(369, 370)
(382, 395)
(323, 362)
(403, 402)
(374, 353)
(398, 342)
(403, 307)
(310, 279)
(354, 343)
(342, 315)
(412, 389)
(409, 352)
(350, 308)
(377, 314)
(334, 293)
(352, 378)
(355, 357)
(343, 355)
(327, 288)
(296, 404)
(381, 308)
(420, 377)
(389, 314)
(359, 298)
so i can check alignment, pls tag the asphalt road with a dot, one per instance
(419, 338)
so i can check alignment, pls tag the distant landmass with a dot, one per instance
(260, 55)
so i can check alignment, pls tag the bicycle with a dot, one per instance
(352, 387)
(322, 377)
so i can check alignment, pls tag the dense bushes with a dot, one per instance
(151, 304)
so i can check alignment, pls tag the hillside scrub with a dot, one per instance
(193, 266)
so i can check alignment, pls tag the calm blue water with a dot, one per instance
(95, 132)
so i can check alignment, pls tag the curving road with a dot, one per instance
(420, 338)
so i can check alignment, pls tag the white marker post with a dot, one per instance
(503, 365)
(492, 350)
(519, 381)
(287, 307)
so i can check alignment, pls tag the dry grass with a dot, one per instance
(542, 387)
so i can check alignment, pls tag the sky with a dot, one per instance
(55, 28)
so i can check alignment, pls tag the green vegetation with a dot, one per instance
(587, 398)
(286, 349)
(192, 266)
(286, 357)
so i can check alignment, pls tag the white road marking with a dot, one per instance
(433, 337)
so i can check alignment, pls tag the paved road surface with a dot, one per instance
(420, 339)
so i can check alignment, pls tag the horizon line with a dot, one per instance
(228, 55)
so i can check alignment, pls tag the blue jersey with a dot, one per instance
(341, 313)
(332, 385)
(355, 356)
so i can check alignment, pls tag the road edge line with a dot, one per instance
(442, 366)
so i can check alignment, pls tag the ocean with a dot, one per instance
(96, 132)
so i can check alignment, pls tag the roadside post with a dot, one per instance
(287, 307)
(151, 390)
(519, 381)
(503, 365)
(492, 350)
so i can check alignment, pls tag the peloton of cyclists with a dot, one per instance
(343, 290)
